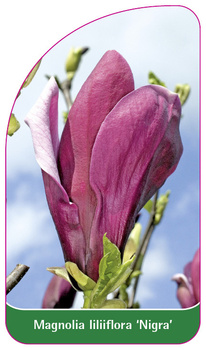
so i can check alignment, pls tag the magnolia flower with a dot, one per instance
(188, 291)
(117, 148)
(59, 294)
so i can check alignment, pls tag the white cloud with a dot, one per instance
(28, 220)
(20, 154)
(157, 265)
(24, 229)
(158, 261)
(186, 202)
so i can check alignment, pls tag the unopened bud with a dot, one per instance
(160, 206)
(73, 60)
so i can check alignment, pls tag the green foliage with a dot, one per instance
(112, 273)
(14, 125)
(183, 91)
(132, 242)
(148, 206)
(73, 60)
(84, 282)
(153, 79)
(65, 116)
(113, 304)
(161, 204)
(59, 271)
(31, 75)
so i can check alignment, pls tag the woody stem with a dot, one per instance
(15, 276)
(143, 247)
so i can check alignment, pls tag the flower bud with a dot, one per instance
(14, 125)
(160, 206)
(73, 60)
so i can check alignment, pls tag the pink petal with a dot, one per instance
(195, 274)
(184, 291)
(66, 218)
(185, 298)
(187, 271)
(43, 122)
(138, 146)
(110, 80)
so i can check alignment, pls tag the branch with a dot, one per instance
(137, 263)
(15, 276)
(65, 87)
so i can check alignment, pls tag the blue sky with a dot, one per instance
(165, 41)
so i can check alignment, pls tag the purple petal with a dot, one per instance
(59, 294)
(107, 84)
(66, 219)
(187, 271)
(195, 274)
(138, 146)
(43, 122)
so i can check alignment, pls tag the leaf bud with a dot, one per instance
(72, 61)
(14, 125)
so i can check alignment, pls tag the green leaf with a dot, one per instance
(14, 125)
(161, 204)
(31, 75)
(148, 206)
(183, 90)
(59, 271)
(132, 242)
(113, 304)
(111, 273)
(84, 282)
(65, 116)
(153, 79)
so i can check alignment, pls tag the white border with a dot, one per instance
(28, 29)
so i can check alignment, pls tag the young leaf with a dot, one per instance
(183, 90)
(132, 242)
(59, 271)
(31, 75)
(153, 79)
(84, 282)
(160, 206)
(14, 125)
(114, 304)
(111, 273)
(148, 206)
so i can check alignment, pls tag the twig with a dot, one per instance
(137, 263)
(66, 87)
(15, 276)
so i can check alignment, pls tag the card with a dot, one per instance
(103, 183)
